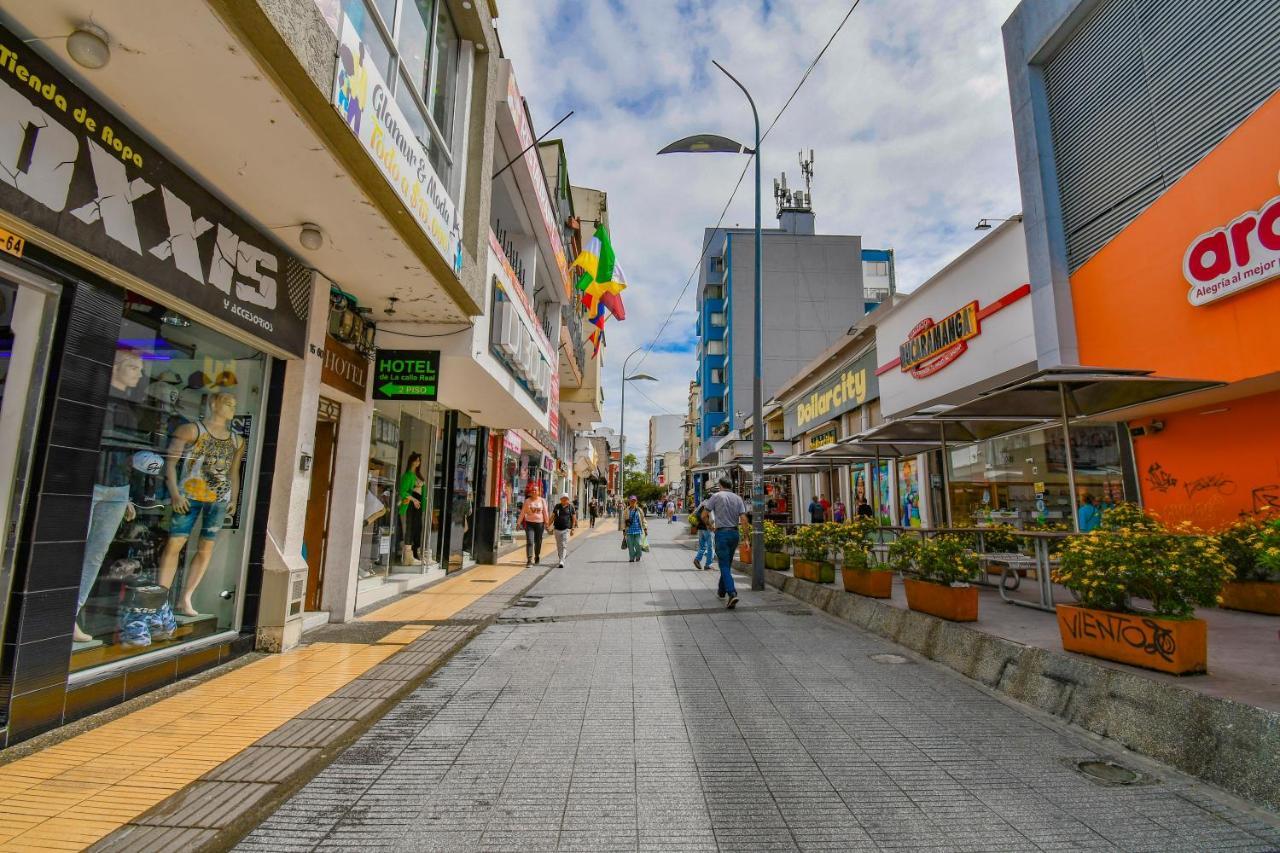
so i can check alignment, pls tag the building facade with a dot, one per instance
(814, 290)
(1151, 230)
(216, 333)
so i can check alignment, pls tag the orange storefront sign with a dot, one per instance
(1191, 288)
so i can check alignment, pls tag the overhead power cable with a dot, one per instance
(698, 265)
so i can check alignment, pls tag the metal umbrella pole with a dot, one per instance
(1071, 467)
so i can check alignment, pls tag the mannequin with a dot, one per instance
(209, 455)
(410, 494)
(111, 504)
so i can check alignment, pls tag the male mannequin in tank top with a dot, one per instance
(203, 475)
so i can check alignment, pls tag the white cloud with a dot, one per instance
(908, 113)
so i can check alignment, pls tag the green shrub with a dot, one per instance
(902, 552)
(856, 559)
(1268, 564)
(775, 538)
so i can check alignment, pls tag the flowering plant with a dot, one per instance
(813, 541)
(1268, 565)
(1174, 570)
(1127, 516)
(851, 536)
(775, 538)
(902, 553)
(856, 559)
(945, 559)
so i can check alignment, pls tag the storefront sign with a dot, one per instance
(344, 368)
(850, 387)
(74, 170)
(1227, 260)
(360, 95)
(511, 442)
(932, 346)
(406, 374)
(532, 162)
(826, 438)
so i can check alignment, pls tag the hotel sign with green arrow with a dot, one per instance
(400, 374)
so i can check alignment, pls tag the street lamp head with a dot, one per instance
(644, 377)
(983, 225)
(706, 143)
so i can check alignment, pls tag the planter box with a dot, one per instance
(777, 561)
(744, 553)
(956, 603)
(1179, 646)
(817, 571)
(873, 583)
(1254, 596)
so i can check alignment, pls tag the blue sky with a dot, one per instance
(908, 114)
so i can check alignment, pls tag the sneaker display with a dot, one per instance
(162, 622)
(134, 630)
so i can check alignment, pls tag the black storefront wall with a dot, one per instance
(50, 544)
(87, 178)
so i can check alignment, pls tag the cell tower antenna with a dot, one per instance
(806, 169)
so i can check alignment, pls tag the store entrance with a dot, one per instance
(316, 530)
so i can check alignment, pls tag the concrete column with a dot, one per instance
(283, 565)
(346, 506)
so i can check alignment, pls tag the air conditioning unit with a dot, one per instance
(542, 382)
(531, 361)
(505, 326)
(520, 355)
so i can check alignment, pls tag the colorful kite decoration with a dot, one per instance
(600, 285)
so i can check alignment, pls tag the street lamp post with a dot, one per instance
(622, 425)
(706, 143)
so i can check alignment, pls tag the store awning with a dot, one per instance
(885, 448)
(1089, 393)
(933, 430)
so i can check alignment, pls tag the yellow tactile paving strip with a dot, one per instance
(71, 794)
(447, 597)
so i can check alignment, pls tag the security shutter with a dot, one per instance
(1140, 92)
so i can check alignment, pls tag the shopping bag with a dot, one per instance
(623, 546)
(644, 542)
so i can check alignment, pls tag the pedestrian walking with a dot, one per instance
(533, 518)
(817, 514)
(702, 557)
(564, 516)
(840, 512)
(671, 512)
(725, 511)
(636, 529)
(593, 510)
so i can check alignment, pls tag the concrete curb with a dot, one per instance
(1228, 744)
(225, 804)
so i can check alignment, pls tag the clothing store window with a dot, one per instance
(169, 525)
(458, 477)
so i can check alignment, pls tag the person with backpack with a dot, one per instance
(702, 557)
(635, 529)
(564, 515)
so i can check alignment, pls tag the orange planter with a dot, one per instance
(817, 571)
(744, 553)
(1179, 646)
(956, 603)
(1254, 596)
(777, 561)
(868, 582)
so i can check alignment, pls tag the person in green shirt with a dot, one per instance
(410, 508)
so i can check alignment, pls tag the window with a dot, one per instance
(416, 47)
(717, 319)
(717, 264)
(715, 291)
(717, 376)
(879, 269)
(715, 347)
(715, 406)
(173, 493)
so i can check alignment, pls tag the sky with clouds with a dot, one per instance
(908, 114)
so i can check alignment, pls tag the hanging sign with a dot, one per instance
(826, 438)
(406, 374)
(932, 346)
(74, 170)
(344, 368)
